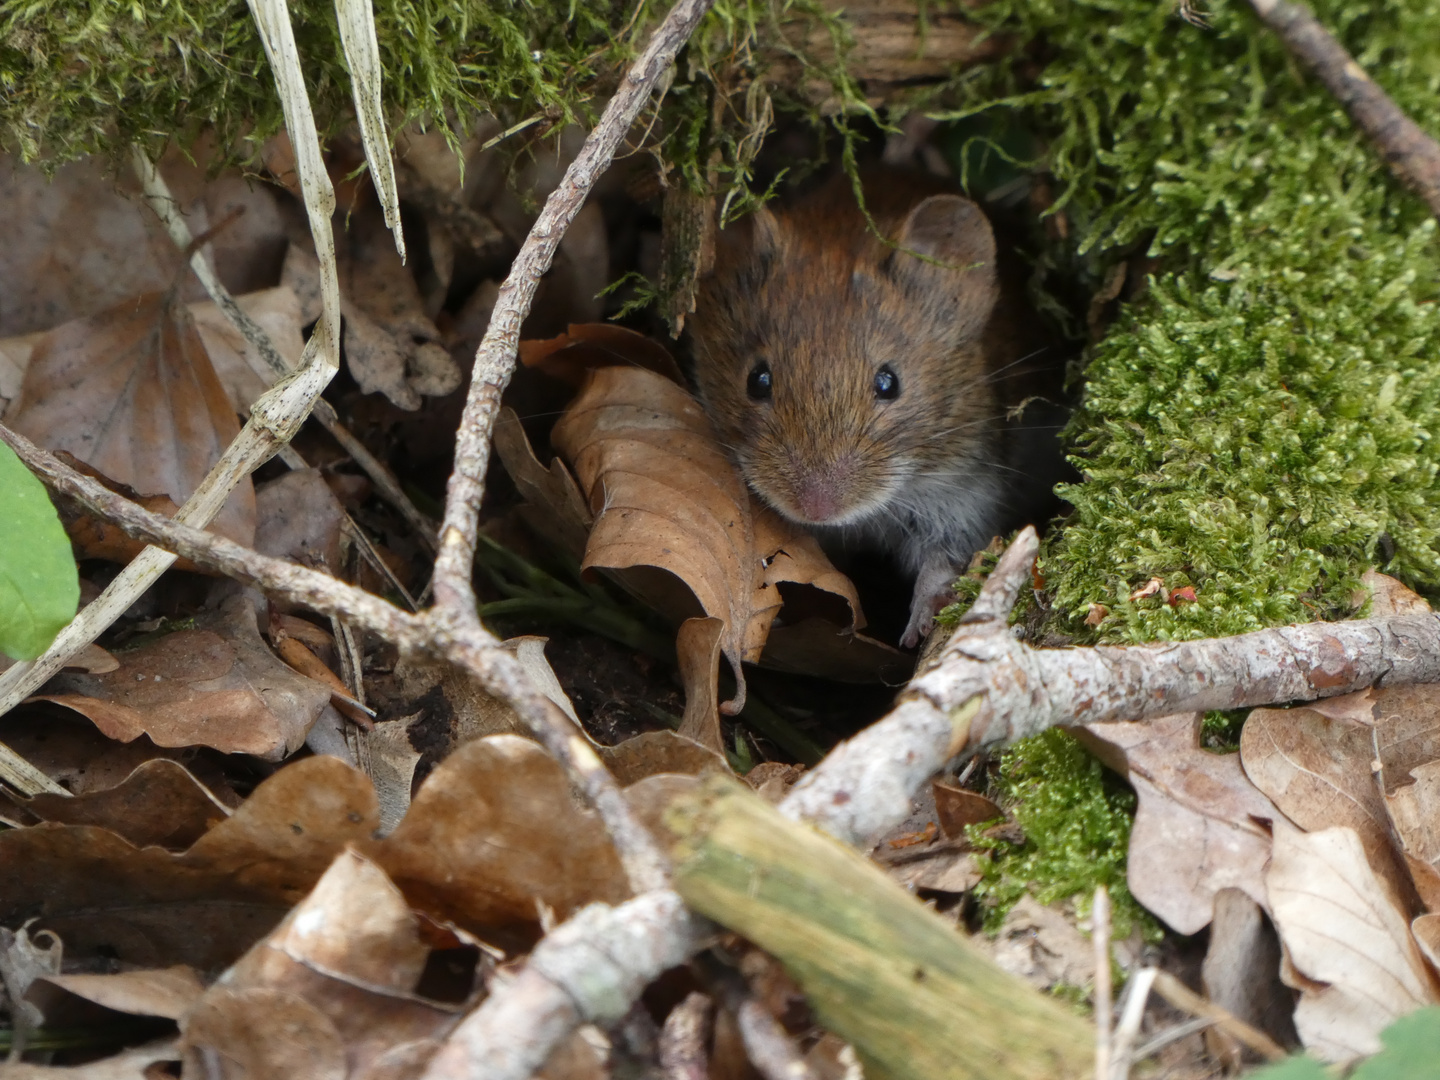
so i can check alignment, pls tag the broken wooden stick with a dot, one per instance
(914, 998)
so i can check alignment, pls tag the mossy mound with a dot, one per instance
(86, 76)
(1259, 424)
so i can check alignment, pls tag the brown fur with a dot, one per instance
(812, 291)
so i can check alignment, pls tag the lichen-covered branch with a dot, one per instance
(1412, 155)
(987, 689)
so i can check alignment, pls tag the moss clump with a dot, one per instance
(1258, 425)
(1076, 820)
(81, 76)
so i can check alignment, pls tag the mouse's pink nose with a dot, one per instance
(817, 501)
(822, 492)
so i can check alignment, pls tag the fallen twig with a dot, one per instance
(1412, 155)
(589, 969)
(685, 1038)
(1186, 1000)
(495, 358)
(1100, 939)
(988, 689)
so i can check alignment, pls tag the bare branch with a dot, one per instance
(495, 358)
(987, 690)
(1412, 155)
(685, 1038)
(589, 969)
(317, 591)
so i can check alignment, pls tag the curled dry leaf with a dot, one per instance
(205, 906)
(587, 346)
(657, 752)
(132, 393)
(956, 808)
(166, 992)
(160, 804)
(1341, 927)
(351, 953)
(666, 498)
(1200, 826)
(215, 685)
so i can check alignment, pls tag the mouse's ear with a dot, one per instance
(752, 241)
(945, 260)
(948, 232)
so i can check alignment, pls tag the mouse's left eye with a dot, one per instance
(887, 384)
(758, 384)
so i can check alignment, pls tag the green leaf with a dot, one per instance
(39, 586)
(1410, 1049)
(1409, 1053)
(1295, 1068)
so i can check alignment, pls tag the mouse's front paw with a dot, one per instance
(933, 593)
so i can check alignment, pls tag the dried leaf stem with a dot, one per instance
(1412, 155)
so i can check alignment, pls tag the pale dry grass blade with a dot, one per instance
(362, 55)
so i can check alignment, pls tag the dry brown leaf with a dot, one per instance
(133, 1064)
(297, 517)
(160, 803)
(237, 363)
(1200, 825)
(1043, 947)
(657, 752)
(956, 808)
(391, 763)
(352, 952)
(216, 685)
(69, 749)
(391, 346)
(1390, 597)
(80, 241)
(167, 992)
(666, 498)
(1341, 927)
(1426, 929)
(204, 907)
(1415, 813)
(698, 645)
(94, 538)
(941, 867)
(551, 493)
(587, 346)
(131, 392)
(491, 833)
(1317, 770)
(260, 1033)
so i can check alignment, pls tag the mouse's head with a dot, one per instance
(836, 367)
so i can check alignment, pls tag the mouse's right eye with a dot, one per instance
(758, 384)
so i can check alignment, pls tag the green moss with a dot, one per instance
(1258, 425)
(81, 76)
(1076, 819)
